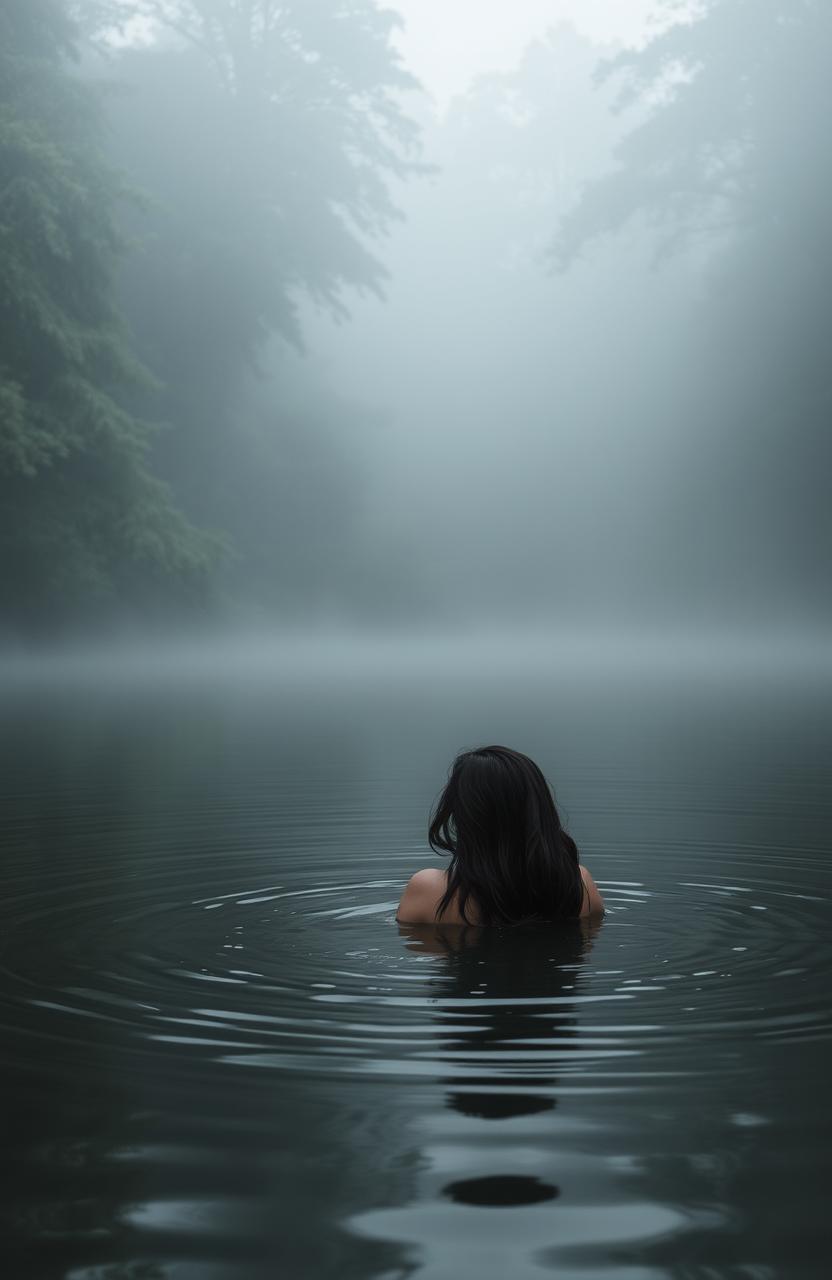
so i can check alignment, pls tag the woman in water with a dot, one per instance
(511, 860)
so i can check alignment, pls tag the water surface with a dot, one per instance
(221, 1057)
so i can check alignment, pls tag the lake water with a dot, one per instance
(222, 1059)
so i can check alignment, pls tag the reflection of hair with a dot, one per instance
(514, 1018)
(509, 853)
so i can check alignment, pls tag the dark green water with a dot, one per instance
(221, 1058)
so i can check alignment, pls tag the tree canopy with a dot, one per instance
(83, 522)
(732, 163)
(266, 139)
(232, 162)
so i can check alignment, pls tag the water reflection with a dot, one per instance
(513, 993)
(505, 1007)
(501, 1191)
(220, 1057)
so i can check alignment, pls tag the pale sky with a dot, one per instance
(448, 42)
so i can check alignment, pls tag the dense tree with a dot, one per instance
(265, 139)
(738, 89)
(83, 522)
(278, 125)
(733, 158)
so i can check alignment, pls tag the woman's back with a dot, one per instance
(425, 890)
(511, 860)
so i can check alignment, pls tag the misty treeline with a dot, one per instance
(601, 376)
(162, 206)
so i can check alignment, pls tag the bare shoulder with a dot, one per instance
(421, 896)
(593, 903)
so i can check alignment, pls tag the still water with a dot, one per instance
(222, 1059)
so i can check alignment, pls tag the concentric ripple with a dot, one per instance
(215, 1032)
(320, 978)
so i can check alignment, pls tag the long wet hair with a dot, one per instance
(510, 857)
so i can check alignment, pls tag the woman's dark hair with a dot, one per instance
(510, 856)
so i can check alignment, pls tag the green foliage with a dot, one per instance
(82, 520)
